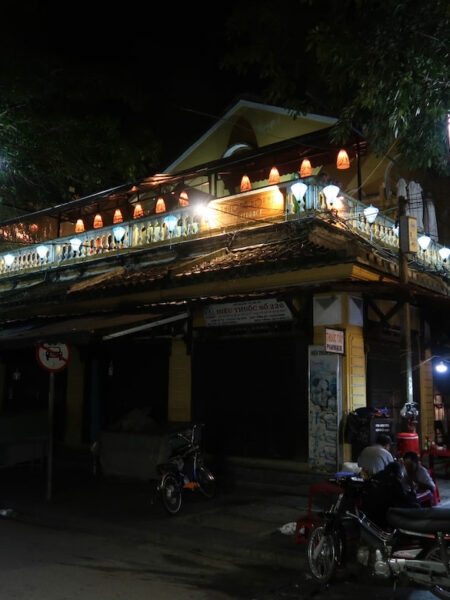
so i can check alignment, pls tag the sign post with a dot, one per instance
(52, 358)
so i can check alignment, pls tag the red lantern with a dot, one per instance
(160, 206)
(246, 186)
(184, 199)
(98, 221)
(118, 218)
(79, 226)
(274, 176)
(343, 161)
(138, 211)
(305, 168)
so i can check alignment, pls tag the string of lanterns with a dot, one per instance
(342, 162)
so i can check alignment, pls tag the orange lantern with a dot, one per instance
(98, 221)
(274, 176)
(184, 199)
(343, 161)
(118, 218)
(79, 226)
(305, 168)
(138, 211)
(246, 186)
(160, 205)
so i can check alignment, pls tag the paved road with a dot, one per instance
(40, 563)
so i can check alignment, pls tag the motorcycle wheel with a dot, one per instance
(170, 491)
(322, 555)
(206, 482)
(437, 590)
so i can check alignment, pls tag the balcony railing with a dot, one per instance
(241, 211)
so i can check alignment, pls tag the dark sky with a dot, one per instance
(170, 54)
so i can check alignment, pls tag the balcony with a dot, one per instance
(253, 209)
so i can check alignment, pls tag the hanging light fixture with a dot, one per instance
(9, 259)
(118, 218)
(160, 206)
(274, 176)
(119, 233)
(79, 226)
(424, 241)
(330, 192)
(343, 161)
(441, 367)
(171, 222)
(184, 198)
(370, 213)
(305, 168)
(138, 211)
(42, 251)
(246, 185)
(98, 221)
(444, 253)
(75, 243)
(299, 189)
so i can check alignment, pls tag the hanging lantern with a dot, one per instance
(371, 212)
(274, 176)
(9, 259)
(79, 226)
(118, 218)
(34, 228)
(42, 251)
(330, 192)
(160, 205)
(119, 233)
(98, 221)
(444, 253)
(343, 161)
(246, 186)
(424, 241)
(75, 243)
(305, 168)
(184, 198)
(138, 211)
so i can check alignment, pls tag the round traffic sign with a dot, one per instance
(53, 356)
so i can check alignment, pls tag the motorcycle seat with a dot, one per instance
(422, 520)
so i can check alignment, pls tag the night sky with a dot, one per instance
(169, 53)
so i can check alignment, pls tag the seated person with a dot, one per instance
(418, 478)
(386, 490)
(375, 458)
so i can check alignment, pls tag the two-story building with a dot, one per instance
(254, 286)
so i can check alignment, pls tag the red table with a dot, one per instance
(431, 454)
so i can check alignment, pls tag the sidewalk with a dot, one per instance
(239, 525)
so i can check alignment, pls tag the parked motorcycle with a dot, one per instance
(415, 547)
(185, 470)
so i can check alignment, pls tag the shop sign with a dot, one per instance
(335, 341)
(53, 356)
(254, 311)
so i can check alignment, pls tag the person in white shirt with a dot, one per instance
(416, 473)
(375, 458)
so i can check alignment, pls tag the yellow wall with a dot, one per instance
(179, 403)
(426, 399)
(74, 398)
(269, 127)
(353, 363)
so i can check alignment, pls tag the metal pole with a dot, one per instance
(51, 405)
(405, 337)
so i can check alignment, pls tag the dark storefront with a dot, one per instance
(252, 395)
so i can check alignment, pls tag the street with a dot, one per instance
(56, 564)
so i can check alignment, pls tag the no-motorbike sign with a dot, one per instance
(53, 356)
